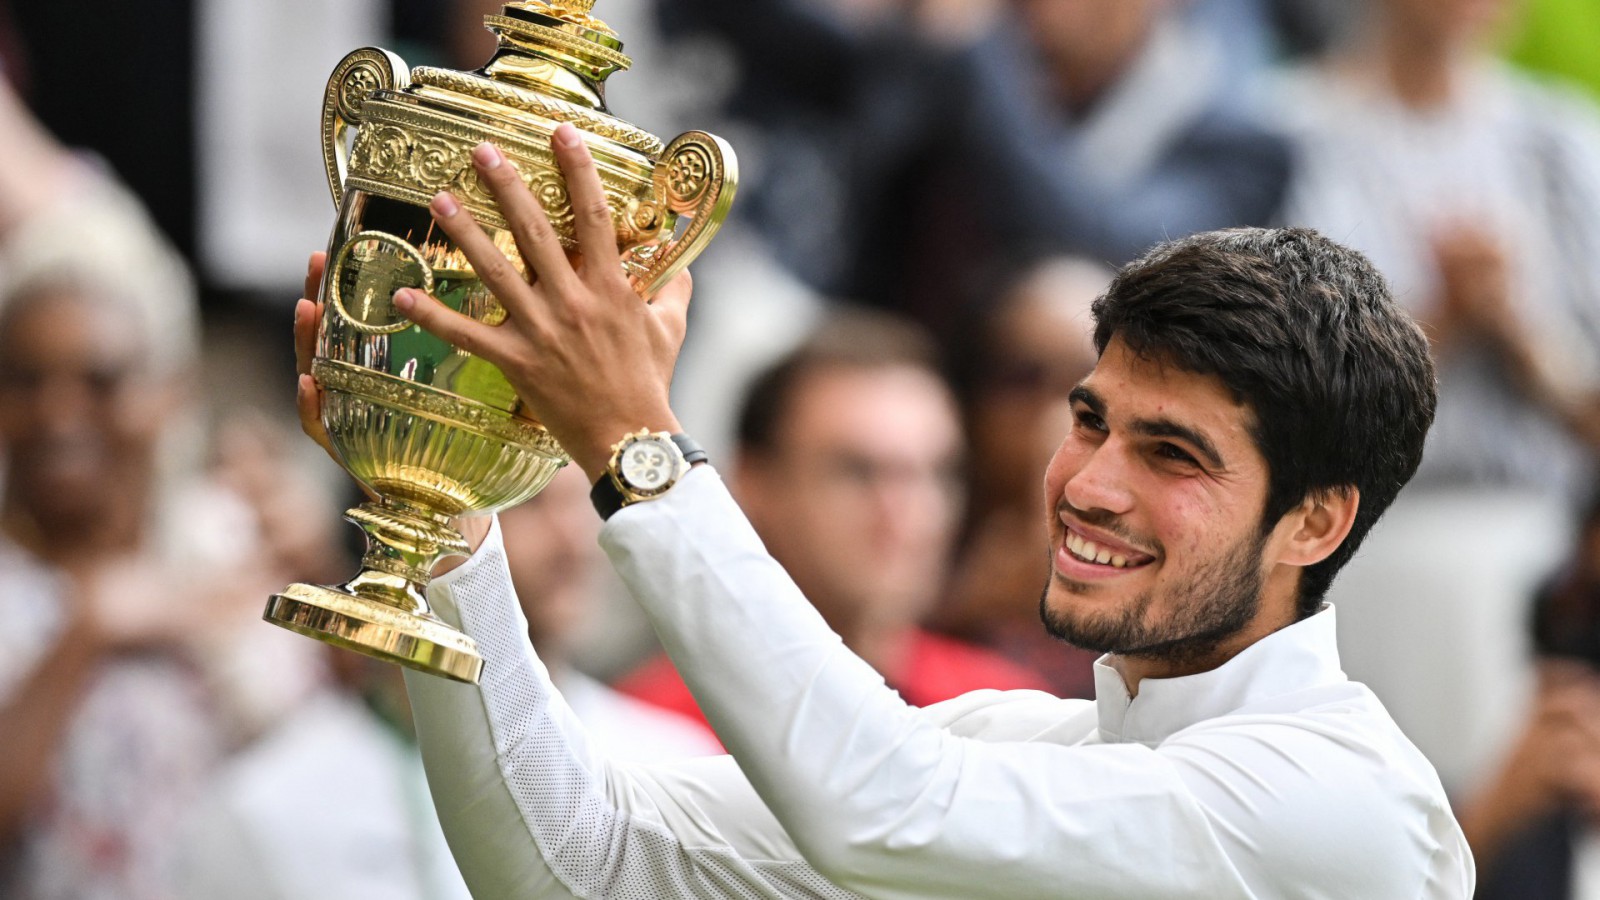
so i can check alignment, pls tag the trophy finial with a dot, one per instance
(578, 12)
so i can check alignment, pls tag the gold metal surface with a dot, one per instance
(430, 430)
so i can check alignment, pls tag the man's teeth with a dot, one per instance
(1089, 551)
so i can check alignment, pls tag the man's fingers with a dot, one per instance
(490, 265)
(597, 235)
(461, 331)
(671, 305)
(314, 270)
(536, 239)
(308, 402)
(306, 316)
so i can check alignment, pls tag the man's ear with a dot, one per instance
(1316, 528)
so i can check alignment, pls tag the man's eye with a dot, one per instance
(1176, 454)
(1089, 420)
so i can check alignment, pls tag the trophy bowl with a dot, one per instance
(430, 431)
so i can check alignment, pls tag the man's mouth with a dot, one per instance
(1087, 551)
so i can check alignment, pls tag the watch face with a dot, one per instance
(648, 464)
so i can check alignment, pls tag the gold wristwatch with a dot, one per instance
(644, 465)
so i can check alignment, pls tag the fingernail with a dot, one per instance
(444, 204)
(404, 300)
(487, 155)
(567, 136)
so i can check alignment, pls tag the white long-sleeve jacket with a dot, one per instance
(1271, 776)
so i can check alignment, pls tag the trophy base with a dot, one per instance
(376, 628)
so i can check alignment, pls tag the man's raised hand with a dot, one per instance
(589, 358)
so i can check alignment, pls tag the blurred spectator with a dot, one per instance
(332, 805)
(273, 830)
(1532, 823)
(123, 638)
(905, 146)
(1033, 348)
(848, 467)
(1477, 192)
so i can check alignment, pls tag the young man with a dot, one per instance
(1258, 401)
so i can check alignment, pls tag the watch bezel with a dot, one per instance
(632, 493)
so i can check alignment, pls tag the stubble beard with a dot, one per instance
(1221, 599)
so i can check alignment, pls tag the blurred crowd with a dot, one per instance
(882, 342)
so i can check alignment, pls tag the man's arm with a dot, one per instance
(532, 810)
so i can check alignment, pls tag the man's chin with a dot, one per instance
(1088, 616)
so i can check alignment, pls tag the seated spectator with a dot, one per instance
(849, 468)
(1531, 824)
(1032, 348)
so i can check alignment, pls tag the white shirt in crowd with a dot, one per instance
(334, 804)
(1271, 776)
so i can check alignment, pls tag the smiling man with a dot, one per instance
(1258, 401)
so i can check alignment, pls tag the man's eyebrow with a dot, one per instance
(1161, 428)
(1085, 395)
(1166, 428)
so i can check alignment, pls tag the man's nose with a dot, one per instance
(1101, 481)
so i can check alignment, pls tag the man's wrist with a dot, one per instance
(592, 452)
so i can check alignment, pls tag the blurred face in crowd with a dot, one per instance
(1041, 346)
(1088, 42)
(552, 552)
(859, 498)
(1154, 504)
(1448, 21)
(80, 412)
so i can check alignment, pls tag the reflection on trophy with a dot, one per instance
(430, 430)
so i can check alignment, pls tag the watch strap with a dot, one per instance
(605, 496)
(692, 452)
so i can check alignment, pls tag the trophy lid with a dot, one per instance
(552, 62)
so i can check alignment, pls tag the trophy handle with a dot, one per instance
(353, 80)
(697, 177)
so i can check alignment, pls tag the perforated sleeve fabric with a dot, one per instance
(530, 809)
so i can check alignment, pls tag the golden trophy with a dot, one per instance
(430, 430)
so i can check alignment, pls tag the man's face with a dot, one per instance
(1159, 474)
(859, 498)
(79, 412)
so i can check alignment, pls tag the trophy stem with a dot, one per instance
(383, 612)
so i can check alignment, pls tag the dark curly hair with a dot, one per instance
(1306, 334)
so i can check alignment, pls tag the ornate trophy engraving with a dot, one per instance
(429, 429)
